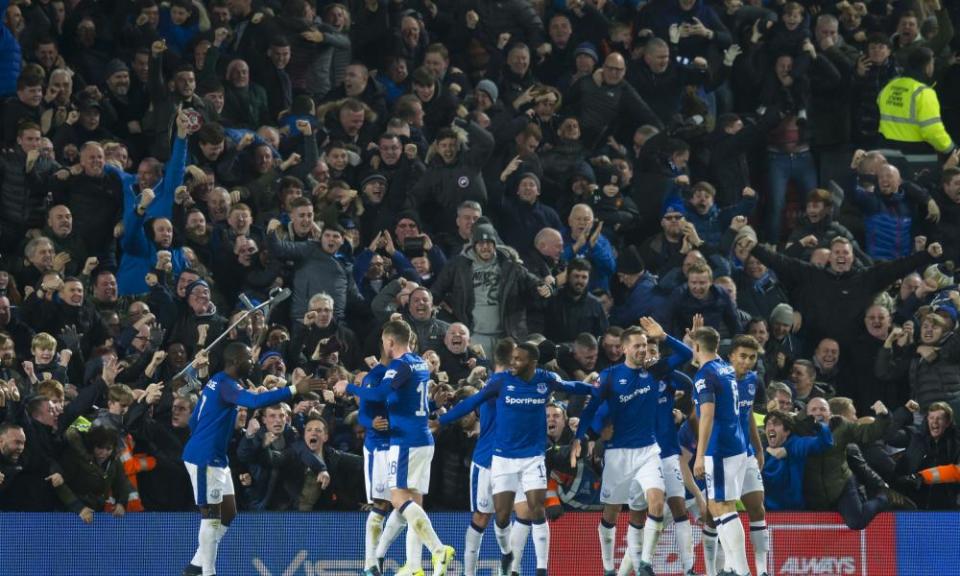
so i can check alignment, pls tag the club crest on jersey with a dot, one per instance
(381, 487)
(752, 388)
(542, 388)
(215, 494)
(663, 387)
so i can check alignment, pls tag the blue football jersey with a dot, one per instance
(214, 418)
(746, 391)
(487, 439)
(666, 430)
(632, 396)
(521, 413)
(687, 437)
(716, 383)
(405, 387)
(370, 409)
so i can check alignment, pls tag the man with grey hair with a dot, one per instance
(468, 212)
(41, 255)
(584, 239)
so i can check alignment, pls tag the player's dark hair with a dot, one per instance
(707, 337)
(398, 330)
(746, 341)
(234, 353)
(533, 353)
(503, 352)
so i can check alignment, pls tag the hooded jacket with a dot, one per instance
(516, 289)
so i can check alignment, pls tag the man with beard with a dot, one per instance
(199, 238)
(488, 290)
(457, 358)
(142, 244)
(12, 443)
(573, 309)
(123, 107)
(167, 105)
(205, 455)
(59, 229)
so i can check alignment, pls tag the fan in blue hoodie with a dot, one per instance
(139, 242)
(786, 459)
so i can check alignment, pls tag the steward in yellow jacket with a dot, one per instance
(909, 109)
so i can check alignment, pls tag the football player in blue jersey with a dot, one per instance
(632, 469)
(372, 415)
(743, 358)
(405, 387)
(672, 383)
(205, 455)
(481, 489)
(521, 439)
(721, 448)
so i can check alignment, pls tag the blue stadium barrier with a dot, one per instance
(331, 544)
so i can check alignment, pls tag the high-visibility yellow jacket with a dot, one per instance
(910, 112)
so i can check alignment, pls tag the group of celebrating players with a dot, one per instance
(642, 458)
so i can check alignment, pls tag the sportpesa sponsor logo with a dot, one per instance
(624, 398)
(524, 401)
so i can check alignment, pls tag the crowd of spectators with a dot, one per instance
(544, 170)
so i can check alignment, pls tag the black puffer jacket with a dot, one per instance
(833, 304)
(22, 194)
(937, 381)
(516, 17)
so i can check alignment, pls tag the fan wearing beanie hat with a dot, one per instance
(646, 297)
(489, 88)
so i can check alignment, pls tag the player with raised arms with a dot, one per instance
(205, 455)
(632, 469)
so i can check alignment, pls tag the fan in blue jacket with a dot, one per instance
(786, 459)
(10, 58)
(139, 250)
(889, 211)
